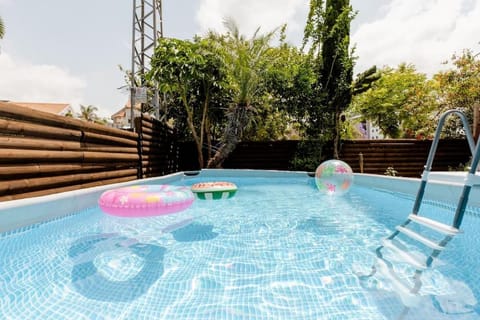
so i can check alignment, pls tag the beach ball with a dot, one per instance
(333, 177)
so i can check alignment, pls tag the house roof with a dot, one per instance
(121, 112)
(55, 108)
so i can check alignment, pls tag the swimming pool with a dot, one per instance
(277, 250)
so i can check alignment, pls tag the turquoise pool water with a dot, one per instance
(277, 250)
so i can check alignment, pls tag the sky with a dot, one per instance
(67, 51)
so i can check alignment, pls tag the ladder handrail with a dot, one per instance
(462, 202)
(433, 150)
(438, 131)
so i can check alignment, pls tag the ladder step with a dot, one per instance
(401, 288)
(434, 225)
(419, 238)
(416, 260)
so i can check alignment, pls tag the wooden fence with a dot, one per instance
(158, 147)
(42, 153)
(269, 155)
(407, 157)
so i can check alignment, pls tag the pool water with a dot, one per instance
(277, 250)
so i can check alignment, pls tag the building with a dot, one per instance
(122, 118)
(62, 109)
(368, 130)
(373, 132)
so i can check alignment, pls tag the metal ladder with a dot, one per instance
(408, 292)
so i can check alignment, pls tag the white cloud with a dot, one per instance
(23, 81)
(424, 33)
(251, 14)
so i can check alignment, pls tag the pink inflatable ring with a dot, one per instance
(146, 200)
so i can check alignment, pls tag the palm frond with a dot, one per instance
(232, 28)
(2, 28)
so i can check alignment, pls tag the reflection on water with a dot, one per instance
(128, 267)
(319, 226)
(194, 232)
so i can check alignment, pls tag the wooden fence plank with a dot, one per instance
(7, 155)
(14, 127)
(26, 185)
(8, 110)
(44, 192)
(92, 137)
(50, 144)
(35, 169)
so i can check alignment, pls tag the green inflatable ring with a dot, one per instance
(214, 190)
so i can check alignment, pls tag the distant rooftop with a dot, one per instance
(126, 108)
(55, 108)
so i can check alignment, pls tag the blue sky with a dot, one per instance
(69, 51)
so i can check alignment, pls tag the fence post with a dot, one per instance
(360, 160)
(138, 129)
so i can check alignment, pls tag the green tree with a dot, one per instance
(459, 88)
(102, 121)
(400, 103)
(2, 29)
(189, 73)
(287, 91)
(88, 113)
(328, 32)
(69, 114)
(246, 64)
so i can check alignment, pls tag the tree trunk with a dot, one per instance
(238, 120)
(222, 153)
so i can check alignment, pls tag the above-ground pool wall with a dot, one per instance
(448, 191)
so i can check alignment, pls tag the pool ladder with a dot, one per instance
(407, 290)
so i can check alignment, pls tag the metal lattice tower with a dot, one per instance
(146, 30)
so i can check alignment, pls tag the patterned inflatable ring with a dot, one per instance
(214, 190)
(146, 200)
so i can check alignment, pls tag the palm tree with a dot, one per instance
(245, 62)
(88, 113)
